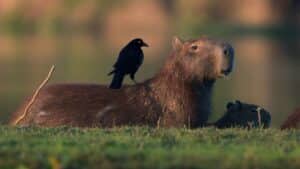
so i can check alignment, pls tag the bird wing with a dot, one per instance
(139, 61)
(123, 58)
(140, 58)
(129, 60)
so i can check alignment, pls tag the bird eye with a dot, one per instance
(194, 47)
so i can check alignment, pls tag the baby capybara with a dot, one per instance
(240, 114)
(293, 121)
(178, 95)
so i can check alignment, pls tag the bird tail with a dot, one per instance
(116, 83)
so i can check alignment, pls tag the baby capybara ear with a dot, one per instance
(229, 105)
(239, 104)
(234, 105)
(177, 44)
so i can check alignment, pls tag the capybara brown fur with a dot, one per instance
(293, 120)
(245, 115)
(178, 95)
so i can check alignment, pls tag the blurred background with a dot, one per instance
(83, 38)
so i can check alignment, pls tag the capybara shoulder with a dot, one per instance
(240, 114)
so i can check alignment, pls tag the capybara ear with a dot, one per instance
(177, 43)
(238, 103)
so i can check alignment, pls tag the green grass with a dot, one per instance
(143, 147)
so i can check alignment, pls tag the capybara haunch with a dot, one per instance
(239, 114)
(293, 120)
(178, 95)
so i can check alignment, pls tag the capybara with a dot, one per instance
(178, 95)
(293, 121)
(241, 114)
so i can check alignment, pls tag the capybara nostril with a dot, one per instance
(228, 63)
(226, 51)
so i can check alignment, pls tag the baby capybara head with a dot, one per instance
(239, 114)
(203, 58)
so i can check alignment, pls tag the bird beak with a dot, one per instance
(145, 44)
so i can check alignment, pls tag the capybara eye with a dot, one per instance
(194, 47)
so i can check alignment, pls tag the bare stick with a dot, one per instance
(258, 115)
(35, 95)
(189, 122)
(158, 123)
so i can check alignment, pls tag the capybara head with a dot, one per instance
(241, 114)
(203, 58)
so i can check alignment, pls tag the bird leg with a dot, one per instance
(135, 82)
(133, 79)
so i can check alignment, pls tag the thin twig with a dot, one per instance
(259, 115)
(158, 123)
(189, 122)
(35, 95)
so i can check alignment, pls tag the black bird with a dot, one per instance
(130, 59)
